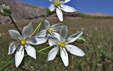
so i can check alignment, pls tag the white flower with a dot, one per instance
(63, 44)
(58, 5)
(50, 30)
(23, 42)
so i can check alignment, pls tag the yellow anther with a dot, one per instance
(62, 45)
(22, 42)
(58, 3)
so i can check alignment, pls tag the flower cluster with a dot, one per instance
(54, 38)
(62, 44)
(56, 35)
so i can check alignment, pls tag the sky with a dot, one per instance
(83, 6)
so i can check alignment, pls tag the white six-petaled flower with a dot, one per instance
(63, 44)
(58, 4)
(50, 30)
(23, 42)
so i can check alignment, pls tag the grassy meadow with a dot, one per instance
(98, 48)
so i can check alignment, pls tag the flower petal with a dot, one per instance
(31, 40)
(42, 33)
(19, 56)
(50, 0)
(57, 27)
(52, 40)
(54, 1)
(2, 11)
(51, 43)
(14, 34)
(52, 7)
(75, 50)
(40, 40)
(12, 47)
(30, 51)
(27, 30)
(47, 24)
(64, 57)
(65, 1)
(73, 37)
(67, 8)
(57, 35)
(63, 33)
(59, 14)
(52, 54)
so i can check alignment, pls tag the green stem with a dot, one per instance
(41, 52)
(6, 65)
(15, 24)
(45, 48)
(35, 30)
(43, 20)
(40, 24)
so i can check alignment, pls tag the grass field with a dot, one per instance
(98, 48)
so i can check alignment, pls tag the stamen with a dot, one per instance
(19, 38)
(24, 37)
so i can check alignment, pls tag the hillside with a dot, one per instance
(97, 14)
(34, 11)
(21, 11)
(17, 11)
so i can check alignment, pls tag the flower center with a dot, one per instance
(51, 30)
(62, 45)
(22, 42)
(58, 3)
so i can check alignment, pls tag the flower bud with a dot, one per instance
(5, 10)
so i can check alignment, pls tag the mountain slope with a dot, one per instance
(34, 11)
(97, 14)
(21, 11)
(17, 11)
